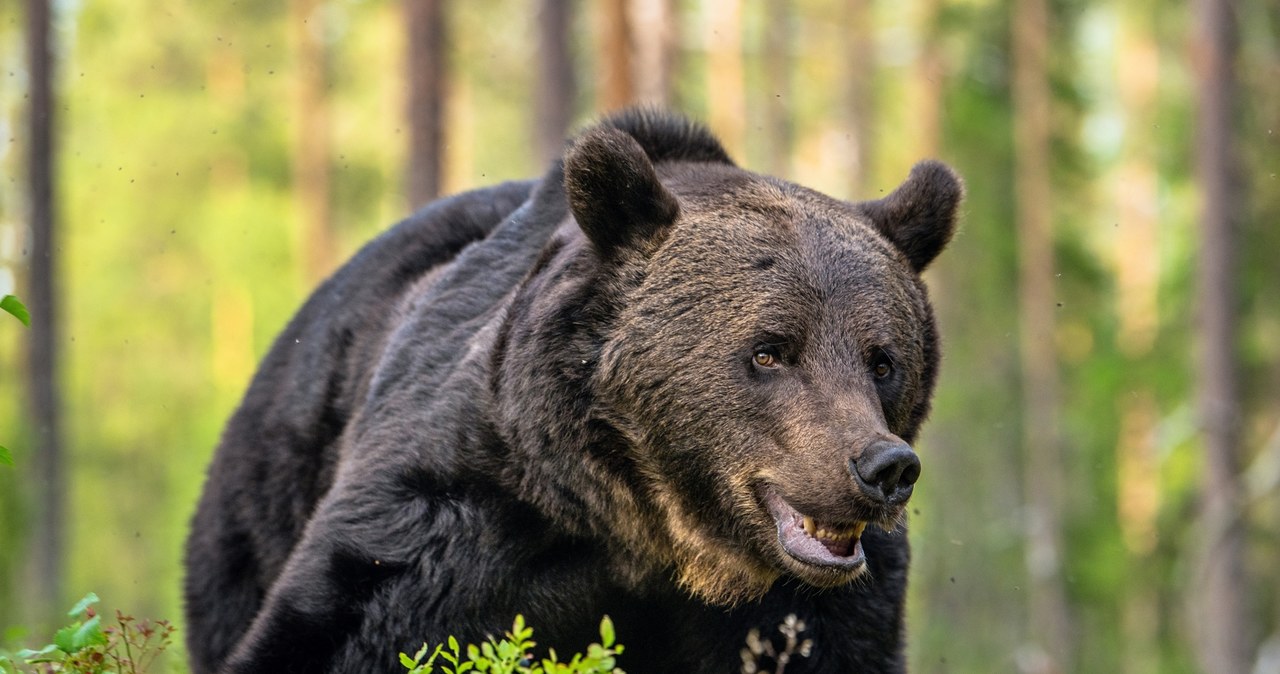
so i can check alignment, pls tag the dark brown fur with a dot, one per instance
(564, 420)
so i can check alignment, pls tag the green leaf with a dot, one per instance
(407, 662)
(5, 457)
(86, 602)
(14, 306)
(431, 660)
(79, 636)
(64, 637)
(27, 654)
(606, 632)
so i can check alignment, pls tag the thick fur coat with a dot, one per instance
(650, 385)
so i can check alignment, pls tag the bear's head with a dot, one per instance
(760, 355)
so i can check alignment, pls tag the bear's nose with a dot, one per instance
(886, 471)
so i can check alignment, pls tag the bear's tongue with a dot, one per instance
(823, 543)
(838, 540)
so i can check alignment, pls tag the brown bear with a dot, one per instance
(651, 385)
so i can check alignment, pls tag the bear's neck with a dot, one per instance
(561, 453)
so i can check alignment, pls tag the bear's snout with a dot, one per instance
(886, 471)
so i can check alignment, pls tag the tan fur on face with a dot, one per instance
(667, 536)
(718, 573)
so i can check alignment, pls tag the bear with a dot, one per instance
(651, 385)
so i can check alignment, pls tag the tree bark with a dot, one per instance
(1224, 630)
(777, 90)
(930, 73)
(860, 106)
(312, 145)
(654, 37)
(558, 84)
(47, 552)
(427, 73)
(615, 84)
(1136, 265)
(1050, 620)
(726, 83)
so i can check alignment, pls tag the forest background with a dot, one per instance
(1101, 484)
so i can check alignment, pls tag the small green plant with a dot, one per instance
(511, 655)
(14, 306)
(130, 646)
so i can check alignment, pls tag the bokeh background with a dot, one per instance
(1101, 485)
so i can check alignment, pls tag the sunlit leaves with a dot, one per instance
(512, 655)
(13, 305)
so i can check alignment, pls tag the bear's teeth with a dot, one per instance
(812, 528)
(835, 535)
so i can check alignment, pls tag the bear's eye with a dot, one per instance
(881, 366)
(767, 357)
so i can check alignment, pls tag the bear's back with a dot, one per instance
(277, 455)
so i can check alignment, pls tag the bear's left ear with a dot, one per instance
(920, 216)
(614, 192)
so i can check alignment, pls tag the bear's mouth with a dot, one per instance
(836, 545)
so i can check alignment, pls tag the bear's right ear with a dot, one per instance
(614, 192)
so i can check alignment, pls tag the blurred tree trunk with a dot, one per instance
(1136, 264)
(860, 106)
(726, 84)
(1050, 622)
(428, 82)
(929, 77)
(1223, 598)
(311, 151)
(615, 85)
(48, 547)
(655, 36)
(777, 90)
(558, 87)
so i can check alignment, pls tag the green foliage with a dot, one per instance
(13, 305)
(511, 655)
(84, 646)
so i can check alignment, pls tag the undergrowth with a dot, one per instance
(511, 655)
(86, 646)
(130, 646)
